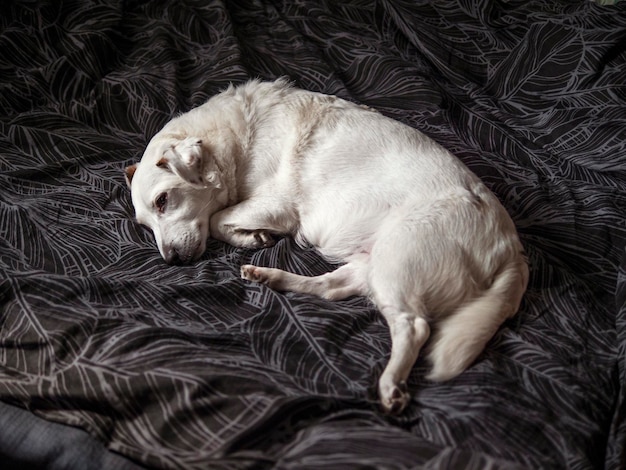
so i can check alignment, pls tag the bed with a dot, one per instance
(109, 358)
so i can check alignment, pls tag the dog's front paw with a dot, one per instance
(394, 398)
(252, 239)
(263, 239)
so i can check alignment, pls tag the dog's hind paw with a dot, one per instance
(258, 274)
(395, 398)
(252, 273)
(273, 278)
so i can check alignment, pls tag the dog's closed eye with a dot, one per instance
(161, 202)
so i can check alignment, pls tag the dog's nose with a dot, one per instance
(176, 256)
(172, 256)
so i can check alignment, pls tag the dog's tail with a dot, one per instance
(462, 336)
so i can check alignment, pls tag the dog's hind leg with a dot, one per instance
(344, 282)
(409, 331)
(397, 290)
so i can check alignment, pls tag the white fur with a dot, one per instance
(416, 231)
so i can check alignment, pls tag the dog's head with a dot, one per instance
(173, 191)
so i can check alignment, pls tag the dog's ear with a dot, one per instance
(187, 159)
(129, 172)
(212, 177)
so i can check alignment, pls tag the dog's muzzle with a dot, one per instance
(173, 257)
(178, 256)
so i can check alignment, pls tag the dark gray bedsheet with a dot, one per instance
(191, 367)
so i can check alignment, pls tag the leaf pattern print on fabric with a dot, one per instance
(191, 367)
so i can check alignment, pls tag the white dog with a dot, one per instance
(414, 229)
